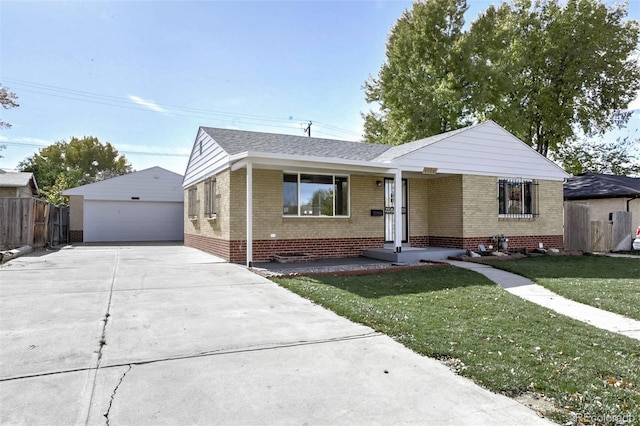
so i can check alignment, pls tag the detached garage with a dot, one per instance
(140, 206)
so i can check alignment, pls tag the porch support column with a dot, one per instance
(397, 210)
(249, 214)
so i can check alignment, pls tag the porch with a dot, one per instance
(412, 254)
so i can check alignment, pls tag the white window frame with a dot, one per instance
(333, 176)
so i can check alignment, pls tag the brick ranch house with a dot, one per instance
(325, 198)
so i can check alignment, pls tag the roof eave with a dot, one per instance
(238, 161)
(451, 171)
(599, 196)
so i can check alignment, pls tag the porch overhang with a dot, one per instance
(279, 161)
(249, 161)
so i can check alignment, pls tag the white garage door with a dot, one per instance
(132, 221)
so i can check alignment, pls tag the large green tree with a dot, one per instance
(420, 89)
(617, 157)
(7, 100)
(565, 68)
(545, 70)
(79, 161)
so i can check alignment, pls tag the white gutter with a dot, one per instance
(239, 161)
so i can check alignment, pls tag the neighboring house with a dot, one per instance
(286, 194)
(605, 194)
(142, 206)
(26, 220)
(18, 185)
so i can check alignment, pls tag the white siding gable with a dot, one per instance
(485, 149)
(207, 158)
(153, 184)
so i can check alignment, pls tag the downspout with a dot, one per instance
(249, 214)
(630, 200)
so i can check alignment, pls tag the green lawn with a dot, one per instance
(606, 282)
(500, 341)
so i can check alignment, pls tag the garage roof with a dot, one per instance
(19, 180)
(153, 184)
(594, 185)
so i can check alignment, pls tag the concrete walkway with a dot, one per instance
(528, 290)
(153, 335)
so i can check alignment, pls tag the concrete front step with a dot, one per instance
(413, 254)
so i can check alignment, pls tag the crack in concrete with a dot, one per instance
(113, 395)
(103, 339)
(215, 352)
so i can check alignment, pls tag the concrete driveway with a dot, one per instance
(152, 334)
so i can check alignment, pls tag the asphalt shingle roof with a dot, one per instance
(238, 141)
(15, 179)
(593, 185)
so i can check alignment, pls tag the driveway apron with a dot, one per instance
(165, 334)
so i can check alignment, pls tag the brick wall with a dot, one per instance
(264, 250)
(418, 207)
(451, 211)
(517, 242)
(443, 241)
(528, 242)
(445, 206)
(480, 200)
(215, 246)
(76, 236)
(214, 228)
(268, 219)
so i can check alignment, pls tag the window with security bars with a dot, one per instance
(517, 198)
(210, 208)
(192, 201)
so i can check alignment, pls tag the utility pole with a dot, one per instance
(308, 129)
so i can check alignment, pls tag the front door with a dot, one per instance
(389, 208)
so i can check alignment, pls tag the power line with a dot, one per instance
(108, 100)
(159, 154)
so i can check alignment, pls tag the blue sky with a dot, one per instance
(144, 75)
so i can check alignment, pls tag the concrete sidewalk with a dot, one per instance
(528, 290)
(152, 335)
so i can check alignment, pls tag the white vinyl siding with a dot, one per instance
(484, 150)
(207, 157)
(153, 184)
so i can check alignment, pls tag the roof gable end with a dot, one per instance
(482, 149)
(152, 184)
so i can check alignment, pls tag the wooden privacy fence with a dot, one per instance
(32, 222)
(583, 234)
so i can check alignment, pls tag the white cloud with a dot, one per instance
(635, 104)
(147, 104)
(149, 149)
(26, 140)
